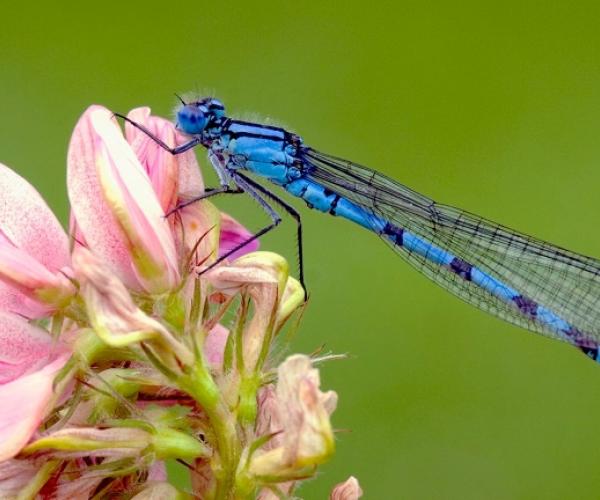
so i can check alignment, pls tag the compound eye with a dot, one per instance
(191, 120)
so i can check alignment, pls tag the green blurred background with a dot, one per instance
(494, 107)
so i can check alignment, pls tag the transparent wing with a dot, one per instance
(563, 281)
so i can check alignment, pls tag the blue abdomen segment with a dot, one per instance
(324, 200)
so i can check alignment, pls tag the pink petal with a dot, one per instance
(30, 226)
(175, 178)
(24, 348)
(14, 301)
(26, 274)
(190, 177)
(214, 346)
(115, 206)
(232, 235)
(157, 471)
(160, 165)
(26, 219)
(23, 405)
(196, 229)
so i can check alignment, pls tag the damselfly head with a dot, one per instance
(194, 117)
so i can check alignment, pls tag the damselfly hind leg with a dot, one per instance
(208, 193)
(295, 214)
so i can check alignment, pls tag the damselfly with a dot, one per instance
(521, 279)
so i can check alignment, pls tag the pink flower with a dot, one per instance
(119, 202)
(138, 367)
(29, 360)
(214, 346)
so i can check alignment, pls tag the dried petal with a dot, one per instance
(303, 412)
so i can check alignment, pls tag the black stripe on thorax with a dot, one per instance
(237, 135)
(253, 124)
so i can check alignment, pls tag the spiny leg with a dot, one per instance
(209, 192)
(291, 211)
(276, 220)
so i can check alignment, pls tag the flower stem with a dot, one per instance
(201, 386)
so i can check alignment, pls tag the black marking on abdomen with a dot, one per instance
(580, 338)
(303, 190)
(334, 203)
(396, 232)
(585, 344)
(526, 305)
(462, 268)
(590, 352)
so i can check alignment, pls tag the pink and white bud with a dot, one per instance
(113, 314)
(116, 207)
(348, 490)
(116, 442)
